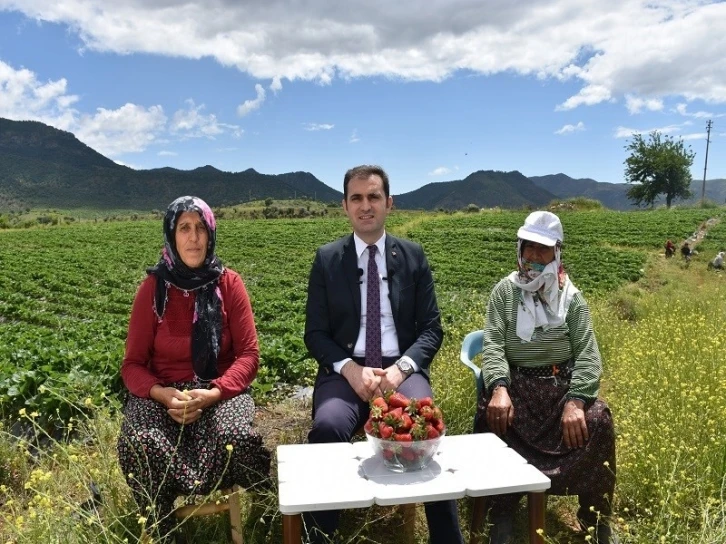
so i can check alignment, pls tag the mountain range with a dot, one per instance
(41, 167)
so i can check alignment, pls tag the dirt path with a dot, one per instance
(405, 228)
(700, 233)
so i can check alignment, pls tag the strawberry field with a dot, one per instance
(66, 291)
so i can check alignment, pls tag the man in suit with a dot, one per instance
(370, 277)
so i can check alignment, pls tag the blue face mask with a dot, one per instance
(534, 266)
(533, 269)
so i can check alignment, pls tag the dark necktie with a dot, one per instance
(373, 312)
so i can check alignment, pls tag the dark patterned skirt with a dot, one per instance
(163, 460)
(536, 435)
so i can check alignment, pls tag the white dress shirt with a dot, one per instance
(389, 338)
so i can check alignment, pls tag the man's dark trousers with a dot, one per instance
(339, 413)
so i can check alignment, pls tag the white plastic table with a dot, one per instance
(338, 476)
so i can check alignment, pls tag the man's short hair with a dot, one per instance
(365, 171)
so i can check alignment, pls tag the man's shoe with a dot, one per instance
(502, 529)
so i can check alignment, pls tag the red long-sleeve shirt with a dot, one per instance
(161, 352)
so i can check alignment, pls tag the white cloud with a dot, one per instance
(651, 50)
(569, 129)
(276, 85)
(165, 153)
(683, 110)
(696, 136)
(625, 132)
(23, 96)
(128, 129)
(251, 105)
(588, 96)
(317, 126)
(131, 128)
(354, 137)
(637, 104)
(672, 130)
(440, 171)
(192, 123)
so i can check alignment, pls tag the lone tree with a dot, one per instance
(661, 165)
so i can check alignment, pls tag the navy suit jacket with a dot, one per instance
(333, 307)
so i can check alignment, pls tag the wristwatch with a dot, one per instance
(405, 367)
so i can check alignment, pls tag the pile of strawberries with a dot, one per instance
(402, 425)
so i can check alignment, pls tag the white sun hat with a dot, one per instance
(543, 228)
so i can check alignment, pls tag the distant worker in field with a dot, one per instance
(670, 249)
(542, 367)
(717, 261)
(373, 325)
(686, 251)
(191, 355)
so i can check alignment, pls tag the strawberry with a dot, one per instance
(438, 424)
(406, 422)
(397, 400)
(380, 403)
(408, 455)
(393, 418)
(385, 431)
(431, 432)
(402, 437)
(418, 431)
(376, 413)
(426, 401)
(426, 412)
(437, 413)
(388, 454)
(368, 427)
(412, 407)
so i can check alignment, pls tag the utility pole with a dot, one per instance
(705, 164)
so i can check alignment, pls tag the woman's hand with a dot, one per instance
(574, 427)
(181, 406)
(205, 397)
(500, 412)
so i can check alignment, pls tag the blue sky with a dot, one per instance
(431, 91)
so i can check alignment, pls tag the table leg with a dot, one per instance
(292, 529)
(408, 531)
(478, 513)
(536, 507)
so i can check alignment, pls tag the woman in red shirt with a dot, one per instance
(191, 355)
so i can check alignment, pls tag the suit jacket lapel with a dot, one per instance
(393, 273)
(350, 271)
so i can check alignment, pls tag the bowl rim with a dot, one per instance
(368, 436)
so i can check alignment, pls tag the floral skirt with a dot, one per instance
(536, 435)
(162, 459)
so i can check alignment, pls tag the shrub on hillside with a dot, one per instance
(580, 203)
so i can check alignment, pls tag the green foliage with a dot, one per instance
(658, 166)
(579, 203)
(66, 291)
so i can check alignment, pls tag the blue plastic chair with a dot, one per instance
(471, 347)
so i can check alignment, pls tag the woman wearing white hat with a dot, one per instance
(541, 369)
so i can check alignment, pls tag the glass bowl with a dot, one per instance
(405, 456)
